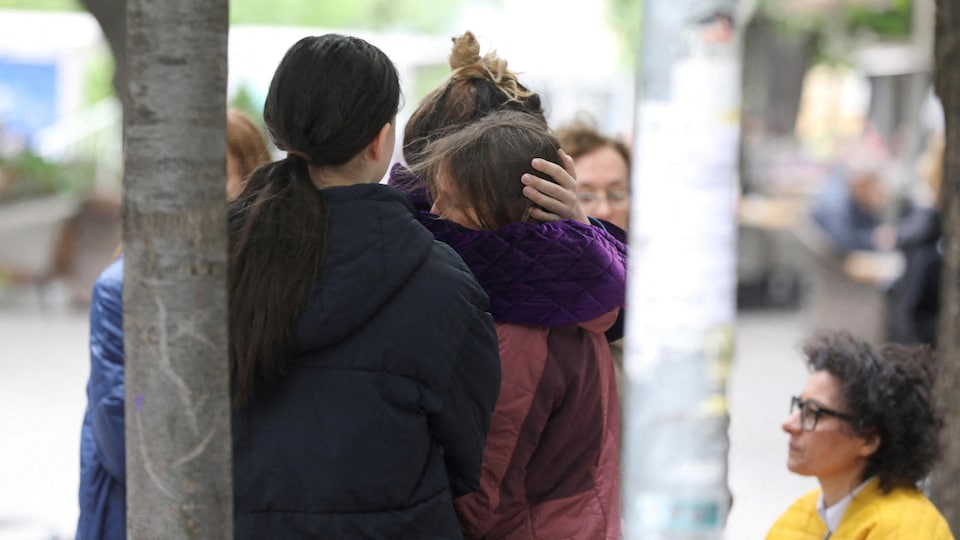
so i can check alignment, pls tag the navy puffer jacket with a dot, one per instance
(381, 419)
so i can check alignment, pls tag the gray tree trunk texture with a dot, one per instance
(179, 465)
(946, 477)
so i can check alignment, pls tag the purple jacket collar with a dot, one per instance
(536, 274)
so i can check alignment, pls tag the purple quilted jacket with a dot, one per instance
(536, 274)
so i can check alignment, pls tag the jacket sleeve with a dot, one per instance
(462, 424)
(106, 388)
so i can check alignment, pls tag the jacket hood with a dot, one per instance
(374, 244)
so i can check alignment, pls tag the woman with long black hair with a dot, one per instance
(365, 363)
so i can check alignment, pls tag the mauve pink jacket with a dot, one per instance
(551, 464)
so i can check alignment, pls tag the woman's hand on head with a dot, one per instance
(554, 201)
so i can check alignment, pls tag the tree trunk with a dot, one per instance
(946, 478)
(179, 465)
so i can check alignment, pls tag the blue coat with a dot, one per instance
(102, 467)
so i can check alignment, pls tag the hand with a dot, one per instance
(554, 201)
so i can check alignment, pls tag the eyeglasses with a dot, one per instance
(810, 413)
(612, 198)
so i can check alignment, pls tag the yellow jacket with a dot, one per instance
(902, 514)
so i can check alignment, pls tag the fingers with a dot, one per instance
(545, 203)
(558, 198)
(548, 194)
(568, 164)
(542, 216)
(554, 202)
(560, 175)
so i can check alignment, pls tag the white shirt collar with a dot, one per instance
(832, 516)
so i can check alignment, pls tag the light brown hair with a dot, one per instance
(484, 161)
(245, 142)
(477, 86)
(580, 137)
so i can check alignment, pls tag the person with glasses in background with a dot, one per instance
(602, 165)
(867, 426)
(603, 171)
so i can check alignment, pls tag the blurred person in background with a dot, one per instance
(603, 189)
(246, 150)
(102, 445)
(603, 171)
(551, 464)
(867, 426)
(914, 299)
(850, 205)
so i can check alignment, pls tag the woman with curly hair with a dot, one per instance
(867, 426)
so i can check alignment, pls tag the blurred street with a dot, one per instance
(42, 393)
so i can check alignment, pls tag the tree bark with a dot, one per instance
(946, 477)
(179, 465)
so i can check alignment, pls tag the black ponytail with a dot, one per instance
(329, 98)
(277, 242)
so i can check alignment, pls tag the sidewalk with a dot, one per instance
(767, 371)
(43, 372)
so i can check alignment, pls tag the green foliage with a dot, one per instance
(244, 102)
(426, 79)
(625, 17)
(412, 15)
(99, 80)
(26, 175)
(893, 23)
(42, 5)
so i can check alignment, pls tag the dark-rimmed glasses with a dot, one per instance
(810, 413)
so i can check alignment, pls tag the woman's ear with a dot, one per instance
(378, 146)
(871, 443)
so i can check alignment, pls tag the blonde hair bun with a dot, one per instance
(466, 63)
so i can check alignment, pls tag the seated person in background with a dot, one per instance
(603, 171)
(867, 426)
(915, 296)
(848, 208)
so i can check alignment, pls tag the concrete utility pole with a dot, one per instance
(681, 292)
(177, 401)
